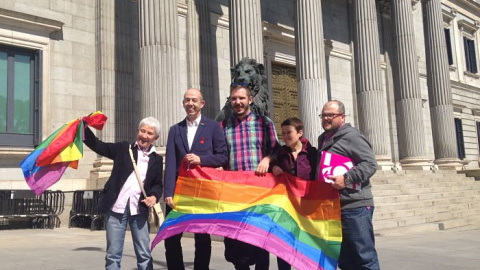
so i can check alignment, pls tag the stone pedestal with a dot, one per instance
(450, 163)
(384, 163)
(102, 168)
(422, 164)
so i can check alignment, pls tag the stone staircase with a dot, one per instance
(419, 201)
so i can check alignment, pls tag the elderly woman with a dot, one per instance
(121, 200)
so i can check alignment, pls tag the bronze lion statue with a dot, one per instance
(248, 72)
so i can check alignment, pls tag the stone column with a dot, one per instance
(246, 39)
(439, 88)
(199, 59)
(105, 70)
(116, 76)
(310, 58)
(370, 95)
(408, 98)
(193, 45)
(159, 74)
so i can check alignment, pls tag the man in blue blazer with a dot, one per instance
(194, 140)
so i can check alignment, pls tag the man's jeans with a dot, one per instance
(358, 244)
(116, 227)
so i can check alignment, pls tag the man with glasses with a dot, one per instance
(196, 140)
(358, 244)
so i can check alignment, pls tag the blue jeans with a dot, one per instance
(358, 244)
(116, 226)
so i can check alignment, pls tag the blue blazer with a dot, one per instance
(209, 144)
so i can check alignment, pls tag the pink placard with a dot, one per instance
(333, 165)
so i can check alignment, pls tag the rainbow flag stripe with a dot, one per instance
(47, 163)
(295, 219)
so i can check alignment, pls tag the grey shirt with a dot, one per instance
(350, 142)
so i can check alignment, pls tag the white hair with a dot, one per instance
(151, 122)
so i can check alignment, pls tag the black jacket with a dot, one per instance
(122, 168)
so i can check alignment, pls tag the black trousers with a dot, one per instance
(174, 253)
(283, 265)
(242, 255)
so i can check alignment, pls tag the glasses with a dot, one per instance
(330, 116)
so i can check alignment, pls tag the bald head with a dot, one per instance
(336, 104)
(194, 91)
(193, 103)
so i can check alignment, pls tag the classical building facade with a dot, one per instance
(406, 70)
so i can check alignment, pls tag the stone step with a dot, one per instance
(422, 207)
(427, 227)
(416, 185)
(452, 215)
(422, 190)
(387, 192)
(417, 201)
(382, 215)
(419, 172)
(469, 227)
(380, 200)
(442, 173)
(432, 212)
(420, 216)
(451, 224)
(399, 222)
(386, 187)
(380, 181)
(419, 179)
(458, 222)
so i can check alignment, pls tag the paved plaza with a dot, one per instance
(64, 248)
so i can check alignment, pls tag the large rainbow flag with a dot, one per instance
(295, 219)
(47, 163)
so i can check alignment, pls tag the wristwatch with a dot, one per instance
(347, 179)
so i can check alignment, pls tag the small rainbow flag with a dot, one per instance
(47, 163)
(295, 219)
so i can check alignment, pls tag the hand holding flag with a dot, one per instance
(47, 163)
